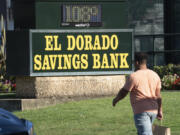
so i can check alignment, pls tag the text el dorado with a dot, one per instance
(80, 61)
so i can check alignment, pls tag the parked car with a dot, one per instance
(12, 125)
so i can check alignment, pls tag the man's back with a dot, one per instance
(143, 85)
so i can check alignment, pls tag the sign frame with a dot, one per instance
(84, 73)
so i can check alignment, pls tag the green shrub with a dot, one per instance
(165, 70)
(176, 84)
(7, 83)
(169, 75)
(159, 70)
(168, 81)
(177, 69)
(5, 87)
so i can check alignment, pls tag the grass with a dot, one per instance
(7, 95)
(98, 117)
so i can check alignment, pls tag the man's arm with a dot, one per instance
(159, 101)
(121, 94)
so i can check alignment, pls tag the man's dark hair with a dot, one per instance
(141, 57)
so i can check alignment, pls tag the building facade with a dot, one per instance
(155, 24)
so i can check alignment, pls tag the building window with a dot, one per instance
(146, 17)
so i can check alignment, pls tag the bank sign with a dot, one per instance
(81, 52)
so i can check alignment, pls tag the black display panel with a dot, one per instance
(81, 15)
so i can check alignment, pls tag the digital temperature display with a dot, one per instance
(81, 15)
